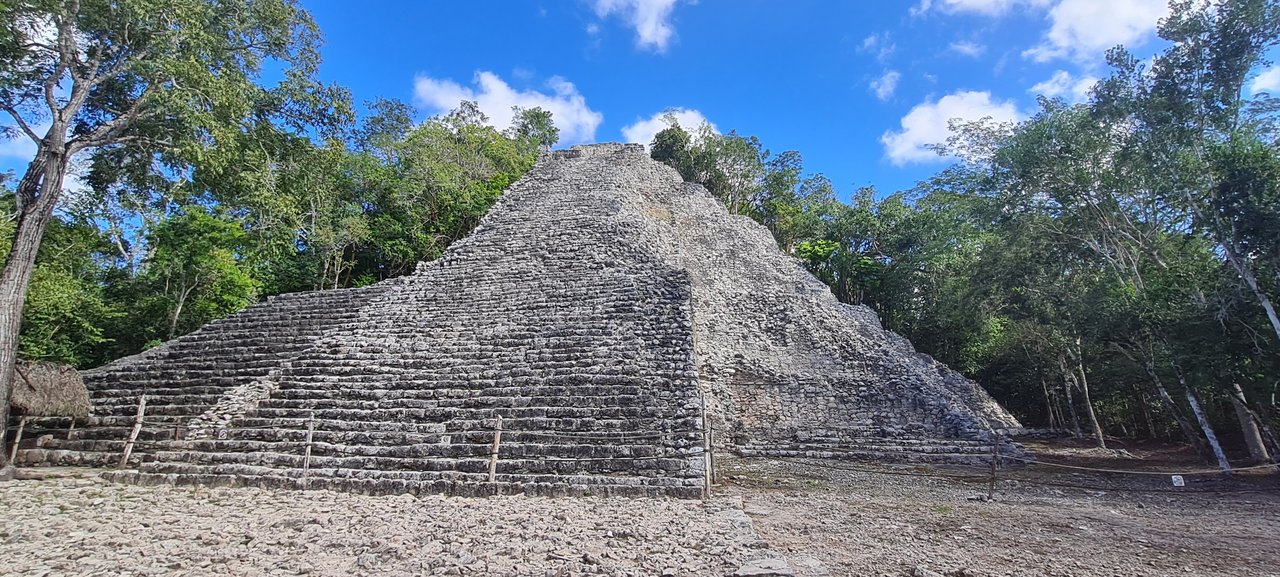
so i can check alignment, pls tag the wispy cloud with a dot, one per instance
(880, 45)
(885, 86)
(965, 48)
(1065, 85)
(651, 20)
(985, 7)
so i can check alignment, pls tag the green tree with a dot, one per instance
(193, 271)
(174, 74)
(534, 126)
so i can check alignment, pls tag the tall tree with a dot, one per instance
(79, 75)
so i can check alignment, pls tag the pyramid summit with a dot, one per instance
(617, 324)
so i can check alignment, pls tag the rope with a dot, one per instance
(1130, 472)
(982, 476)
(823, 465)
(1134, 489)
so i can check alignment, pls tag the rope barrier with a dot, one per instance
(982, 476)
(1136, 472)
(1164, 490)
(821, 465)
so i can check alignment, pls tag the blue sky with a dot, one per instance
(834, 80)
(859, 88)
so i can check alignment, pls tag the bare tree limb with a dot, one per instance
(26, 128)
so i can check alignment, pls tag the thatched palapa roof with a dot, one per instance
(42, 389)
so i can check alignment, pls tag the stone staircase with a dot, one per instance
(571, 333)
(187, 376)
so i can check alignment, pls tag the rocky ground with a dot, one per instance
(839, 522)
(833, 519)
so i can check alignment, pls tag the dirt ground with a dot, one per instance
(822, 518)
(839, 519)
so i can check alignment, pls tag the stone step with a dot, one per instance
(453, 450)
(448, 414)
(130, 395)
(485, 424)
(478, 436)
(321, 390)
(548, 486)
(884, 453)
(584, 402)
(658, 466)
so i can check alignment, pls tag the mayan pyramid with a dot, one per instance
(616, 323)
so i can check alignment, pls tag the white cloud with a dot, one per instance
(927, 123)
(1268, 81)
(984, 7)
(970, 49)
(880, 45)
(575, 119)
(643, 130)
(1063, 84)
(1082, 30)
(886, 85)
(651, 20)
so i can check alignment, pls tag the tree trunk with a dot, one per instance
(1246, 274)
(1255, 430)
(1048, 403)
(37, 194)
(1188, 431)
(1248, 428)
(1204, 424)
(1078, 356)
(1067, 377)
(1146, 415)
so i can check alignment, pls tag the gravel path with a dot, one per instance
(84, 526)
(823, 521)
(837, 522)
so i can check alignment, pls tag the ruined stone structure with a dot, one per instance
(613, 320)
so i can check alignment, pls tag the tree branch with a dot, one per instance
(110, 132)
(66, 55)
(26, 128)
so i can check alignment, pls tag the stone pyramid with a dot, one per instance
(617, 324)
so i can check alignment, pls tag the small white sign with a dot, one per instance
(1178, 482)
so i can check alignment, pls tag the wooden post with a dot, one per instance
(22, 424)
(706, 458)
(311, 429)
(493, 451)
(995, 454)
(72, 429)
(133, 435)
